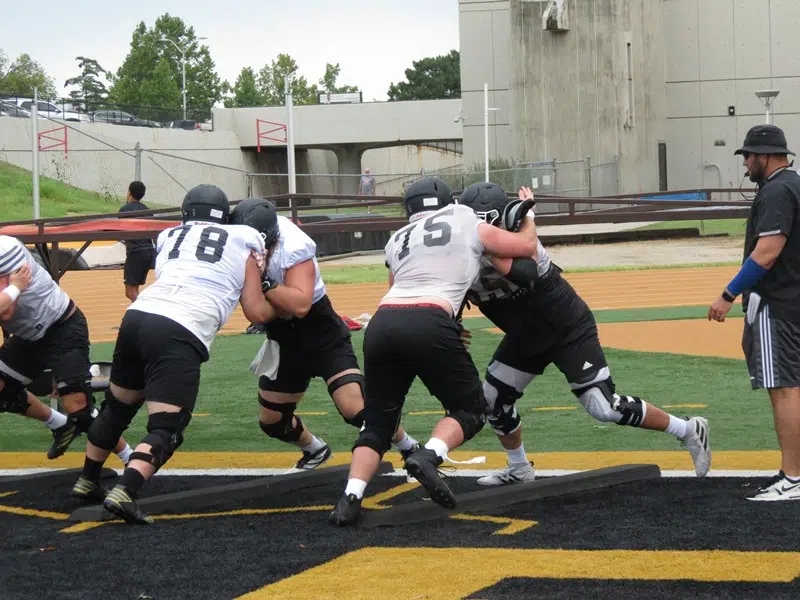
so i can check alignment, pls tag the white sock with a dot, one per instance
(125, 453)
(407, 443)
(677, 427)
(56, 420)
(437, 446)
(517, 457)
(315, 445)
(355, 486)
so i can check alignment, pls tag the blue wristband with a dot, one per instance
(749, 275)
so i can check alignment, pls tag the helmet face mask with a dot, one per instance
(206, 203)
(487, 200)
(428, 194)
(259, 214)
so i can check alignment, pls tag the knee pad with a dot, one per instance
(357, 420)
(284, 429)
(165, 435)
(502, 387)
(113, 419)
(65, 388)
(344, 380)
(599, 398)
(13, 396)
(379, 429)
(471, 422)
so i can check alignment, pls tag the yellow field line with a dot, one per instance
(754, 460)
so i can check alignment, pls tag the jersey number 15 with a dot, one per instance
(438, 233)
(206, 243)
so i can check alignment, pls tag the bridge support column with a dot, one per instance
(349, 158)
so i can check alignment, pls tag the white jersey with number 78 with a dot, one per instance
(200, 270)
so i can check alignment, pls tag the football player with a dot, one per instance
(312, 339)
(546, 322)
(204, 268)
(415, 333)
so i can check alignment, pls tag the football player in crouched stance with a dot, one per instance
(546, 322)
(414, 333)
(204, 268)
(311, 339)
(47, 330)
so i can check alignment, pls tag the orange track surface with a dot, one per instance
(101, 296)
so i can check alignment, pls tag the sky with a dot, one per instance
(374, 42)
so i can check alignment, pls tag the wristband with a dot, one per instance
(749, 275)
(728, 297)
(13, 292)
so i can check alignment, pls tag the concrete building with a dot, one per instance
(666, 85)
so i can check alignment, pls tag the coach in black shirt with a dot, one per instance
(139, 254)
(770, 281)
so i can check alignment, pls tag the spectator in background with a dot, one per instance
(366, 187)
(139, 254)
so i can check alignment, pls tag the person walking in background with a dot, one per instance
(770, 283)
(139, 254)
(366, 186)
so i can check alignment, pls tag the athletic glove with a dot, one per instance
(268, 283)
(514, 212)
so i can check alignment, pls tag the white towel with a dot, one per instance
(752, 307)
(267, 360)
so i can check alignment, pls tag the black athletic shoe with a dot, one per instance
(309, 461)
(347, 511)
(63, 437)
(422, 466)
(88, 490)
(120, 504)
(406, 453)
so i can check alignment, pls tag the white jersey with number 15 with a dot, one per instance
(200, 271)
(437, 255)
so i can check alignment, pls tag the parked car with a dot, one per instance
(114, 116)
(10, 109)
(48, 110)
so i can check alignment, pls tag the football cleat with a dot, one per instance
(347, 511)
(423, 465)
(512, 474)
(88, 490)
(62, 438)
(120, 504)
(696, 441)
(311, 460)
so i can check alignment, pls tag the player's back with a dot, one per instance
(438, 255)
(200, 271)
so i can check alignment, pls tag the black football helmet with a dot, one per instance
(487, 200)
(205, 203)
(427, 195)
(259, 214)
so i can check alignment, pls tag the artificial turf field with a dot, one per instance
(677, 537)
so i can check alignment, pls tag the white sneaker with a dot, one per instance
(510, 475)
(698, 444)
(778, 488)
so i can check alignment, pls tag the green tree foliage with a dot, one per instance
(245, 91)
(22, 75)
(328, 81)
(135, 84)
(92, 90)
(431, 78)
(271, 83)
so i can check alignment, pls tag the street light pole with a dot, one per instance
(183, 66)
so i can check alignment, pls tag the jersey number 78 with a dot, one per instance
(209, 249)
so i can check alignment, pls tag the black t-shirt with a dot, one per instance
(136, 245)
(776, 210)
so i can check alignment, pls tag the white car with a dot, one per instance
(48, 110)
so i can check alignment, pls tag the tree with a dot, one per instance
(23, 75)
(91, 91)
(271, 83)
(245, 91)
(431, 78)
(328, 81)
(134, 86)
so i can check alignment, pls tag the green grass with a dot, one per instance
(378, 273)
(228, 392)
(731, 227)
(56, 199)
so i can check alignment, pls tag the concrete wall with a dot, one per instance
(565, 94)
(719, 52)
(367, 124)
(101, 158)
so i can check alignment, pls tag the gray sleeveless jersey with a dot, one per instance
(437, 255)
(42, 303)
(491, 285)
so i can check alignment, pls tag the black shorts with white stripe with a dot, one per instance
(772, 350)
